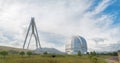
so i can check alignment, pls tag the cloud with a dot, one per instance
(101, 6)
(58, 20)
(99, 40)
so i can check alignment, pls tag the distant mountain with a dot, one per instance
(48, 50)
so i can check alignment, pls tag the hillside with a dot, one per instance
(48, 50)
(11, 49)
(38, 51)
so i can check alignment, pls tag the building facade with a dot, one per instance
(75, 44)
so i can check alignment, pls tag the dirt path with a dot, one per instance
(109, 61)
(112, 60)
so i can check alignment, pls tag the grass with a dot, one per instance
(49, 59)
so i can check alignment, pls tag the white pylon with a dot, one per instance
(34, 33)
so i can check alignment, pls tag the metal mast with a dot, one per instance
(34, 33)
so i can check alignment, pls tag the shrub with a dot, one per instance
(87, 53)
(29, 53)
(53, 56)
(93, 53)
(4, 53)
(79, 53)
(22, 53)
(45, 53)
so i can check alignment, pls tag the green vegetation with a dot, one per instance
(14, 55)
(109, 53)
(4, 53)
(79, 53)
(22, 53)
(29, 53)
(16, 58)
(45, 53)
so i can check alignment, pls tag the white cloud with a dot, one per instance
(102, 6)
(60, 17)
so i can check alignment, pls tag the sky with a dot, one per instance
(57, 20)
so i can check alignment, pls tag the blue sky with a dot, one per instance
(58, 20)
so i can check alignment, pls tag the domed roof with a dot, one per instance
(79, 39)
(76, 43)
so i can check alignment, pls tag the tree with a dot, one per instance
(45, 52)
(4, 53)
(79, 53)
(22, 53)
(29, 53)
(93, 53)
(87, 53)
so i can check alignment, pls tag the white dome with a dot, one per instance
(75, 44)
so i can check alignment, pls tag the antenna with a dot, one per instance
(33, 28)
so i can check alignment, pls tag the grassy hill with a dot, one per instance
(11, 49)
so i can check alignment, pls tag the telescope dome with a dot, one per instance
(75, 44)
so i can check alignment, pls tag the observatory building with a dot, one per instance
(75, 44)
